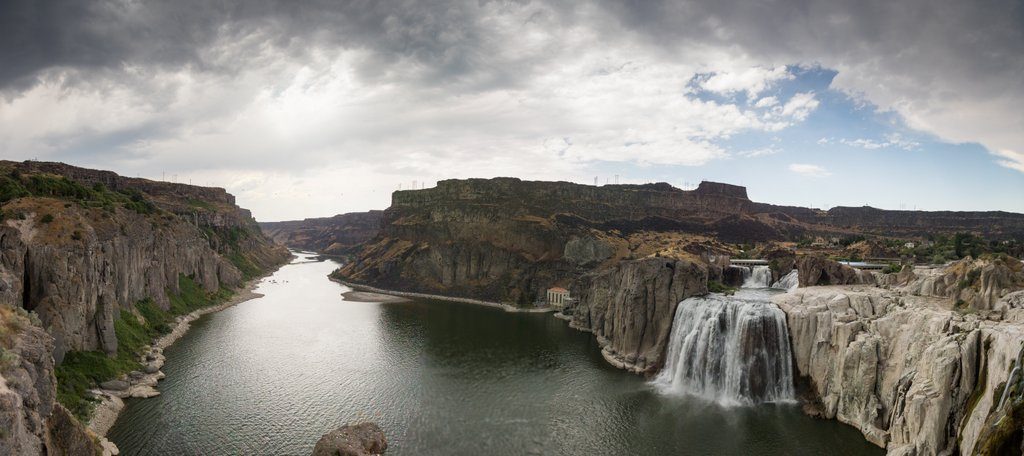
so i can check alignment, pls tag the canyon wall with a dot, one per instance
(506, 240)
(31, 421)
(915, 373)
(77, 248)
(630, 308)
(338, 235)
(77, 256)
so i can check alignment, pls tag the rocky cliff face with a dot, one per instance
(76, 252)
(31, 422)
(505, 239)
(508, 240)
(339, 235)
(972, 284)
(913, 373)
(630, 307)
(78, 247)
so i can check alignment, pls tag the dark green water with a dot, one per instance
(270, 376)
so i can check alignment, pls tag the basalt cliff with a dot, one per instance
(341, 234)
(507, 240)
(80, 248)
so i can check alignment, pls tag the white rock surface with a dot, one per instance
(903, 369)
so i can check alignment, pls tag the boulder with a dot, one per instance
(114, 385)
(363, 439)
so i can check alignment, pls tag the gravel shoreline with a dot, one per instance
(144, 385)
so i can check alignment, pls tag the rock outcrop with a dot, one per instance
(363, 439)
(76, 255)
(816, 270)
(630, 308)
(341, 234)
(911, 373)
(31, 422)
(974, 284)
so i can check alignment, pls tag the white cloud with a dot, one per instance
(809, 170)
(753, 80)
(800, 106)
(766, 102)
(891, 140)
(760, 152)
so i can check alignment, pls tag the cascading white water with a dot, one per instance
(788, 282)
(730, 349)
(757, 277)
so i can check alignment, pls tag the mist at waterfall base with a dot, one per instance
(271, 375)
(732, 349)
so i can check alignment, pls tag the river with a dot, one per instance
(271, 375)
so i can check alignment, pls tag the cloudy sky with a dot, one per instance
(314, 108)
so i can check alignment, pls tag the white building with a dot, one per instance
(557, 297)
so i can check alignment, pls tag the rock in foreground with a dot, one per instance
(363, 439)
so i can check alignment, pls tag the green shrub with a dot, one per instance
(892, 268)
(249, 270)
(48, 218)
(8, 359)
(715, 286)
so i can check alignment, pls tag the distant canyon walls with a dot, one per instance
(338, 235)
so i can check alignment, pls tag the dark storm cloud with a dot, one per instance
(445, 41)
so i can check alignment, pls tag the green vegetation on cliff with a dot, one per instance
(16, 185)
(82, 370)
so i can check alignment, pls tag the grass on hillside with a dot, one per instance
(15, 185)
(81, 370)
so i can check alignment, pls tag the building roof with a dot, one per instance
(558, 289)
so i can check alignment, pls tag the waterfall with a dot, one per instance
(788, 282)
(757, 277)
(730, 349)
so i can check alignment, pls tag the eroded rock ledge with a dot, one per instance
(913, 374)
